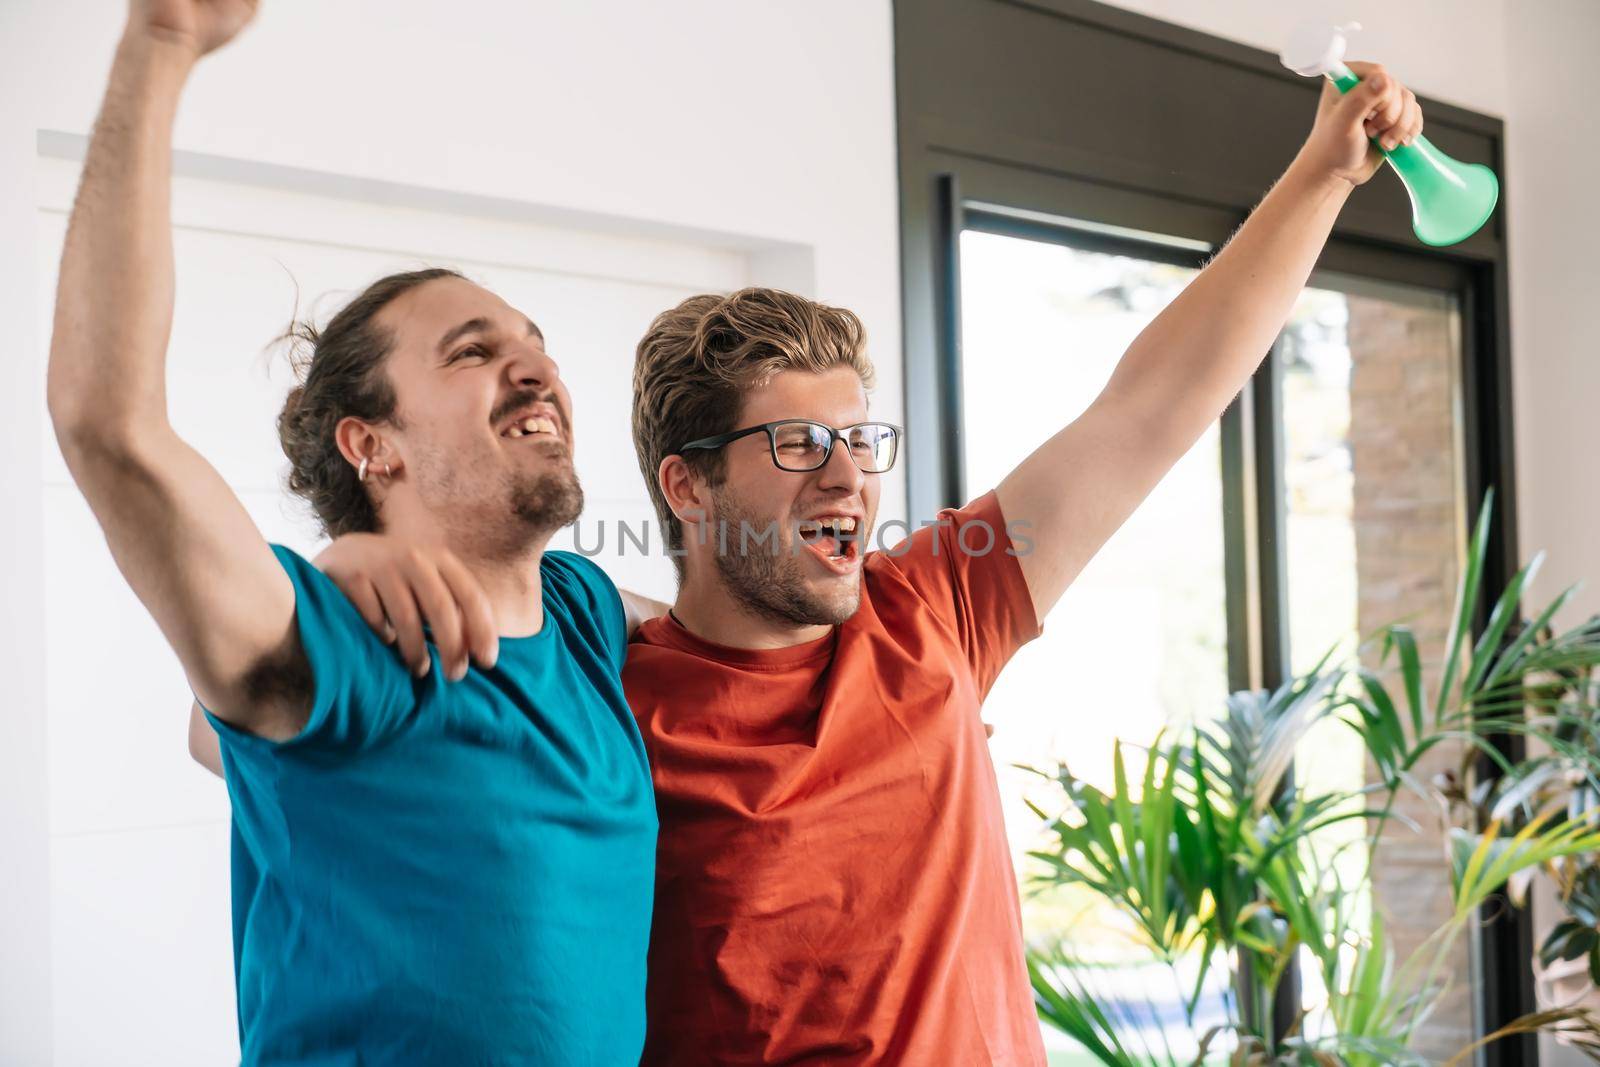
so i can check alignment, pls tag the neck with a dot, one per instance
(513, 587)
(507, 570)
(708, 610)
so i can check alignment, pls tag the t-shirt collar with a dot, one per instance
(671, 631)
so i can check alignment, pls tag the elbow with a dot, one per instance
(96, 419)
(78, 433)
(68, 400)
(98, 437)
(67, 412)
(83, 432)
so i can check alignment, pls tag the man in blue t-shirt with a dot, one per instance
(433, 862)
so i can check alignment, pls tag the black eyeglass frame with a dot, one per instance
(771, 430)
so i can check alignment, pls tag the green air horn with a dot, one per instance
(1450, 200)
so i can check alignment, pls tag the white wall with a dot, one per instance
(1555, 276)
(24, 818)
(762, 133)
(1452, 50)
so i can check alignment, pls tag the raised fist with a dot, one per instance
(198, 25)
(1380, 109)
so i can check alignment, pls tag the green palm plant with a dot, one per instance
(1215, 859)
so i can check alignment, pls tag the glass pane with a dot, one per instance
(1139, 641)
(1374, 526)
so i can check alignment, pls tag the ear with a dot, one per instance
(358, 440)
(687, 494)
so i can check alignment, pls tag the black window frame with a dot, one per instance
(982, 146)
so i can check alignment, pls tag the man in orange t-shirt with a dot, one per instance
(833, 882)
(833, 879)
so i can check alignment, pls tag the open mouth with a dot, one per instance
(835, 539)
(537, 427)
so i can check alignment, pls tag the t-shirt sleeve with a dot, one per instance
(592, 597)
(361, 693)
(965, 570)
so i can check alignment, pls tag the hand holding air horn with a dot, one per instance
(1450, 200)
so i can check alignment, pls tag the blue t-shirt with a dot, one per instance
(447, 873)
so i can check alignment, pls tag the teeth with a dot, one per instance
(531, 425)
(838, 526)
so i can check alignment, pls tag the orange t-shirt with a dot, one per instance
(833, 882)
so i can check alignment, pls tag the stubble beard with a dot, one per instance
(544, 501)
(510, 514)
(767, 578)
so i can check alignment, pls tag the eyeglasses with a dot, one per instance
(800, 445)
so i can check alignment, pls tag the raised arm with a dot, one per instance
(179, 535)
(1180, 373)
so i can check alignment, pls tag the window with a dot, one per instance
(1364, 481)
(1048, 110)
(1372, 493)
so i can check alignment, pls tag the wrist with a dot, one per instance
(1311, 179)
(152, 54)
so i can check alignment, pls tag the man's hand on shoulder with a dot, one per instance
(398, 586)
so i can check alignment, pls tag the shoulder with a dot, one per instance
(327, 621)
(937, 562)
(652, 633)
(575, 575)
(293, 562)
(585, 591)
(315, 594)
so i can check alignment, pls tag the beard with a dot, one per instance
(500, 516)
(545, 501)
(768, 577)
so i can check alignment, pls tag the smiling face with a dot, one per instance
(483, 427)
(810, 576)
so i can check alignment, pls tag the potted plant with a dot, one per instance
(1214, 860)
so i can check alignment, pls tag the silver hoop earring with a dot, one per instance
(387, 473)
(361, 471)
